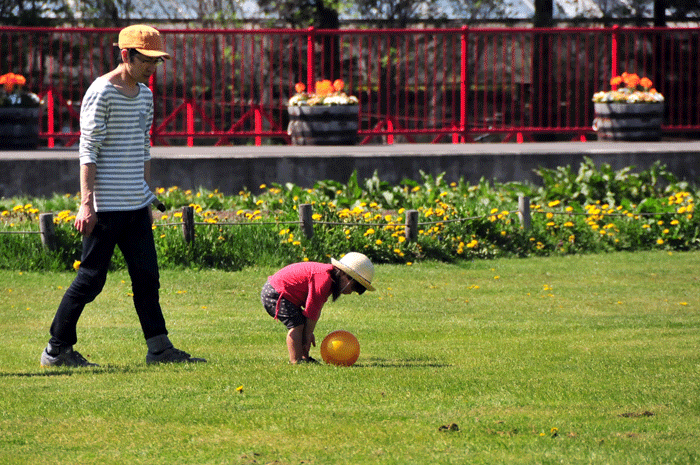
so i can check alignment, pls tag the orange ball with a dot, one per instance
(340, 348)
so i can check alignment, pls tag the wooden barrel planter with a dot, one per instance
(628, 121)
(19, 128)
(323, 125)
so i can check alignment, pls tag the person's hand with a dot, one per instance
(85, 220)
(309, 340)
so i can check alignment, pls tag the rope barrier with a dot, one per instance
(307, 223)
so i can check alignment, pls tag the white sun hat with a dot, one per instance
(358, 267)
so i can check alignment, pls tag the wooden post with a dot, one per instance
(524, 211)
(188, 224)
(307, 222)
(48, 231)
(411, 225)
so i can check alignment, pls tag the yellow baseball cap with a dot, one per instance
(145, 39)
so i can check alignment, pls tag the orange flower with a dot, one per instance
(631, 80)
(338, 85)
(10, 80)
(324, 87)
(300, 87)
(616, 81)
(645, 82)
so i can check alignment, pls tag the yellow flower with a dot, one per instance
(659, 241)
(369, 232)
(378, 242)
(76, 265)
(553, 203)
(316, 216)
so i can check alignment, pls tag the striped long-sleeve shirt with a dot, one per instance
(114, 135)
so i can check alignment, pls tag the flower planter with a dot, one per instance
(628, 121)
(323, 125)
(19, 128)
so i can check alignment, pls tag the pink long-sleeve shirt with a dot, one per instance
(305, 284)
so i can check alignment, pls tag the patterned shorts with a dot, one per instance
(289, 314)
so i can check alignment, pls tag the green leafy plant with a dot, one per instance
(593, 209)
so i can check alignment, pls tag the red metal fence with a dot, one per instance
(414, 85)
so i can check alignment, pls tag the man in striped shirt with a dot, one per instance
(115, 121)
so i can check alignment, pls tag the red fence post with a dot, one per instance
(190, 123)
(310, 64)
(50, 115)
(613, 52)
(463, 84)
(258, 125)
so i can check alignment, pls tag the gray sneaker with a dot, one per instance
(172, 355)
(65, 357)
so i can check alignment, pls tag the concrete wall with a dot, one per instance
(230, 169)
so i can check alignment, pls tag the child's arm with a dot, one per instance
(309, 338)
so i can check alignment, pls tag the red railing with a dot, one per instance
(414, 85)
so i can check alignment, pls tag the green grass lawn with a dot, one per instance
(576, 360)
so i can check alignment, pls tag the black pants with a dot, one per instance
(131, 231)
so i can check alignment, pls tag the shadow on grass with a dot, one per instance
(408, 363)
(70, 371)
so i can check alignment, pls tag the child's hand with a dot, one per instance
(309, 340)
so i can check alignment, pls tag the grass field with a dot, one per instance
(575, 360)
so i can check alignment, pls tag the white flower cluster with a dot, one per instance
(626, 95)
(316, 100)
